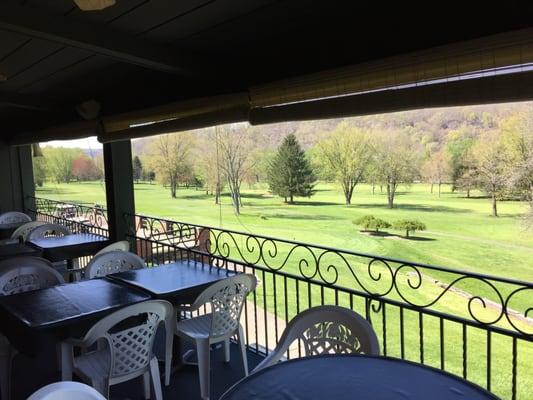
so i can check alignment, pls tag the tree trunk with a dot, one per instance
(439, 188)
(373, 188)
(390, 195)
(348, 193)
(291, 199)
(468, 193)
(407, 233)
(431, 188)
(285, 199)
(494, 207)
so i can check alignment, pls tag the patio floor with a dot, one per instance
(29, 374)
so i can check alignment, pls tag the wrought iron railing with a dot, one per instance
(474, 325)
(77, 217)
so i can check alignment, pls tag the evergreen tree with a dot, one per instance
(289, 172)
(137, 168)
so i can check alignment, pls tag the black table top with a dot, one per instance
(17, 249)
(178, 281)
(343, 377)
(70, 246)
(64, 304)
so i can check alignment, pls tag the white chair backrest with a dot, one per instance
(66, 391)
(331, 330)
(113, 262)
(131, 347)
(226, 299)
(46, 230)
(22, 274)
(14, 217)
(23, 230)
(123, 245)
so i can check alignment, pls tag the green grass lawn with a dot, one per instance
(461, 234)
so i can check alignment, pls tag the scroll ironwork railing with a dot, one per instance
(474, 325)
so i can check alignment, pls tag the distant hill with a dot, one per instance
(429, 125)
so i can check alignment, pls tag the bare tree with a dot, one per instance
(436, 170)
(346, 155)
(395, 161)
(490, 161)
(171, 157)
(236, 161)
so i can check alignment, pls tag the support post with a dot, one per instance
(119, 188)
(16, 179)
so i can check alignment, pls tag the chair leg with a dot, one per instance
(66, 361)
(156, 378)
(202, 349)
(226, 350)
(6, 359)
(240, 334)
(169, 332)
(146, 385)
(102, 386)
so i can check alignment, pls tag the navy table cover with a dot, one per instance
(31, 318)
(68, 247)
(350, 377)
(177, 282)
(17, 249)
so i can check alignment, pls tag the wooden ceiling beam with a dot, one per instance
(98, 39)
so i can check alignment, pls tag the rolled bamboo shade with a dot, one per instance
(455, 60)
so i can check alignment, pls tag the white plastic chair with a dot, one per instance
(14, 217)
(17, 275)
(23, 230)
(123, 245)
(326, 330)
(127, 353)
(112, 262)
(225, 299)
(66, 391)
(45, 230)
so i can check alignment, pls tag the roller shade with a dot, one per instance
(486, 54)
(495, 89)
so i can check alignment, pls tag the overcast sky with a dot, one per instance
(88, 143)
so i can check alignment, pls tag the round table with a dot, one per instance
(343, 377)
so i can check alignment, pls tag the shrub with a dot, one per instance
(371, 223)
(409, 225)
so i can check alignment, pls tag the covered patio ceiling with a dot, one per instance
(158, 60)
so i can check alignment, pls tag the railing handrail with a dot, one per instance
(351, 252)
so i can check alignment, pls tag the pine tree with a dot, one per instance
(289, 172)
(137, 169)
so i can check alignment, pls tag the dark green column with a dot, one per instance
(16, 178)
(119, 188)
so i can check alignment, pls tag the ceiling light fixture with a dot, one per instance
(93, 5)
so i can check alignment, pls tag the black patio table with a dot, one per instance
(15, 249)
(68, 247)
(33, 319)
(178, 282)
(348, 377)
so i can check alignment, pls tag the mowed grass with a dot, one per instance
(461, 234)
